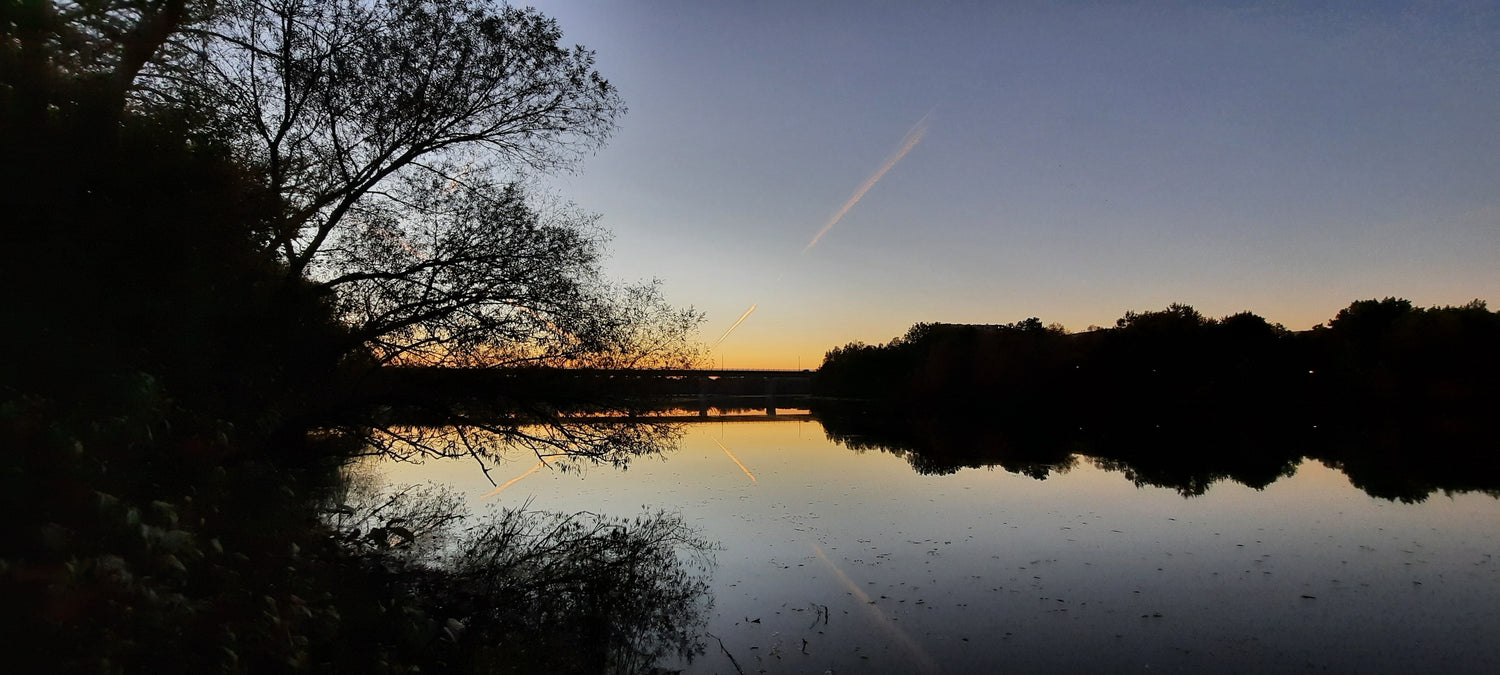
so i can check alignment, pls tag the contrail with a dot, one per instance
(736, 460)
(512, 481)
(731, 328)
(908, 142)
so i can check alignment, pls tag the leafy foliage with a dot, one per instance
(394, 133)
(203, 201)
(521, 591)
(1398, 396)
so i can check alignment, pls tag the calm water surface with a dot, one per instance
(852, 562)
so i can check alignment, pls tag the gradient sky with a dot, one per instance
(1077, 161)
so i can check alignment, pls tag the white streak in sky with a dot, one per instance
(908, 142)
(731, 328)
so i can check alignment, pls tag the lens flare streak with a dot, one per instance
(736, 461)
(912, 138)
(923, 661)
(513, 481)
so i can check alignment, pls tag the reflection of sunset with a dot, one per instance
(949, 578)
(1169, 350)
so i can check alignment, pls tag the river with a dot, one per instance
(846, 561)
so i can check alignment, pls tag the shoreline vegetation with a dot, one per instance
(225, 221)
(238, 228)
(1397, 396)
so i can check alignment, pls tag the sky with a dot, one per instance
(986, 162)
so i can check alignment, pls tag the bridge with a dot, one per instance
(711, 372)
(741, 388)
(675, 388)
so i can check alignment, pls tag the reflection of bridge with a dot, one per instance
(724, 388)
(712, 372)
(703, 416)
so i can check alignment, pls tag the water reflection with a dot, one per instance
(1405, 458)
(853, 562)
(920, 660)
(519, 590)
(564, 442)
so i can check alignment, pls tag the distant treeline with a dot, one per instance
(1374, 352)
(1399, 397)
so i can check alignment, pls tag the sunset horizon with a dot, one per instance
(688, 337)
(855, 170)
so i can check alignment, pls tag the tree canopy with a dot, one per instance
(397, 133)
(223, 219)
(397, 138)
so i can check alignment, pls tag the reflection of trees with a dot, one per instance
(562, 417)
(1404, 459)
(566, 442)
(937, 445)
(516, 590)
(1399, 455)
(1398, 396)
(1189, 461)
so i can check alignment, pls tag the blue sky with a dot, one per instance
(1078, 160)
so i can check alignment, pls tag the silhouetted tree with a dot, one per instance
(1369, 318)
(394, 132)
(83, 58)
(1397, 396)
(162, 356)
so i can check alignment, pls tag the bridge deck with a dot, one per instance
(712, 373)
